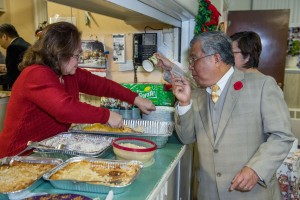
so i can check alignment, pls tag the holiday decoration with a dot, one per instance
(207, 18)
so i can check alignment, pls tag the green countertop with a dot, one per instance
(148, 183)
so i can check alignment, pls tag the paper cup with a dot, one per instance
(153, 59)
(149, 64)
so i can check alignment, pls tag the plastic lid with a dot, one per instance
(129, 139)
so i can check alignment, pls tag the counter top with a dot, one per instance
(294, 70)
(149, 182)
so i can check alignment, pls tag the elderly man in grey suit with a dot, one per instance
(243, 133)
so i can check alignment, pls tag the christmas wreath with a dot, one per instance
(207, 18)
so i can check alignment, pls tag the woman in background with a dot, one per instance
(247, 48)
(45, 98)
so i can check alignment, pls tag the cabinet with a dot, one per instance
(170, 12)
(2, 6)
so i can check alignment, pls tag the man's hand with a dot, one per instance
(163, 62)
(244, 180)
(181, 89)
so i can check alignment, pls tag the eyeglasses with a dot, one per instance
(193, 60)
(237, 52)
(77, 56)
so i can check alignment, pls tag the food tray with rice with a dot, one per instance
(76, 144)
(156, 131)
(94, 175)
(22, 174)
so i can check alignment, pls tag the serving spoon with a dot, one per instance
(30, 145)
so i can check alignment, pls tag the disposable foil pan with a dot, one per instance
(89, 187)
(26, 159)
(52, 155)
(77, 144)
(156, 131)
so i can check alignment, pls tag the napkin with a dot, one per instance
(110, 195)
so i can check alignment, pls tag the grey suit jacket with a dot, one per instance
(254, 131)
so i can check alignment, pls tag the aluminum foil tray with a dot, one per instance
(90, 186)
(43, 154)
(27, 159)
(77, 144)
(156, 131)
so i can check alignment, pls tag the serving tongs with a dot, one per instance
(5, 161)
(32, 145)
(39, 145)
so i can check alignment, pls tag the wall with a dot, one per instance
(20, 14)
(102, 27)
(291, 79)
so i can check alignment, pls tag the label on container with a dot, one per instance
(154, 92)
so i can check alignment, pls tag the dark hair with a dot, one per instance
(56, 45)
(250, 45)
(213, 42)
(9, 30)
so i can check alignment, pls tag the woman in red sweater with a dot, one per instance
(45, 98)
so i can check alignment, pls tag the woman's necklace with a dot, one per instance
(61, 80)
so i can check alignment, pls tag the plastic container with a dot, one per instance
(162, 113)
(129, 148)
(156, 131)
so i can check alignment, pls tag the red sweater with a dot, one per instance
(40, 106)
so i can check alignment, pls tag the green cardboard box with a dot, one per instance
(159, 94)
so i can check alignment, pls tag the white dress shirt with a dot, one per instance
(221, 83)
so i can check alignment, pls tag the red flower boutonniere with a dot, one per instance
(238, 85)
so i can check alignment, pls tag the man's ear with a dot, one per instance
(247, 59)
(217, 58)
(4, 36)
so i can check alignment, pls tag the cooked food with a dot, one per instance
(59, 197)
(83, 143)
(106, 128)
(130, 145)
(21, 175)
(97, 173)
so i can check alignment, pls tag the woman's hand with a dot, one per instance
(163, 62)
(115, 120)
(145, 105)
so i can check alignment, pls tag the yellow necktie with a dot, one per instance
(214, 95)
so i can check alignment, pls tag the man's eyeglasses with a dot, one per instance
(194, 59)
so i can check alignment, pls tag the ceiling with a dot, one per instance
(171, 12)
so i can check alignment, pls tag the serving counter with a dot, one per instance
(169, 177)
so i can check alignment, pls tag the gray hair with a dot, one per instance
(215, 42)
